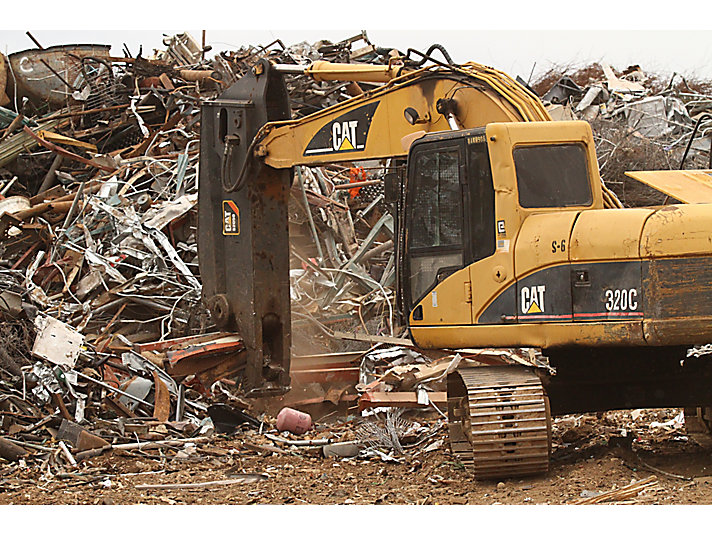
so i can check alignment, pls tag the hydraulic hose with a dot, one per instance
(430, 50)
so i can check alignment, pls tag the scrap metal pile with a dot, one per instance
(105, 342)
(640, 120)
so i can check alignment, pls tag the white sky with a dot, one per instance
(511, 38)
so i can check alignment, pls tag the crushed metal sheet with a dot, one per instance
(57, 342)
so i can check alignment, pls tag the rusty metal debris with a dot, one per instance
(107, 346)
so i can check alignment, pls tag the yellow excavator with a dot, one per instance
(502, 241)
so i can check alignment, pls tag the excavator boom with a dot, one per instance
(378, 123)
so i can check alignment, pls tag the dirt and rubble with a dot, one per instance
(596, 456)
(116, 386)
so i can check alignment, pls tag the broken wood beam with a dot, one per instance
(400, 399)
(631, 490)
(353, 336)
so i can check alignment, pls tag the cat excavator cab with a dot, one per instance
(502, 241)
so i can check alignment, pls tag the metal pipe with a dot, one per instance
(180, 404)
(109, 305)
(353, 185)
(30, 445)
(309, 215)
(452, 121)
(146, 301)
(322, 71)
(37, 43)
(692, 138)
(289, 69)
(196, 75)
(113, 389)
(8, 186)
(51, 173)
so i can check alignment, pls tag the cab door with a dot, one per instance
(435, 235)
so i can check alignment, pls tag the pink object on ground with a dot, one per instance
(293, 421)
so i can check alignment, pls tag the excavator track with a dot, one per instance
(499, 421)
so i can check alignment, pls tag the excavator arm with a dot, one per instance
(249, 147)
(378, 124)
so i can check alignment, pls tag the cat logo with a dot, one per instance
(343, 135)
(533, 299)
(231, 218)
(346, 133)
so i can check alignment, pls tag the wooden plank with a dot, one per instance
(400, 399)
(162, 405)
(373, 339)
(631, 490)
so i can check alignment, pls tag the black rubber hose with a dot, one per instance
(227, 164)
(433, 47)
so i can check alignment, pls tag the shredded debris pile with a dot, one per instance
(107, 344)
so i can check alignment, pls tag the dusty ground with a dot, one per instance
(591, 454)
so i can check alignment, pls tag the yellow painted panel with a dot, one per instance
(543, 240)
(608, 234)
(541, 335)
(503, 138)
(490, 277)
(679, 230)
(690, 187)
(448, 302)
(284, 142)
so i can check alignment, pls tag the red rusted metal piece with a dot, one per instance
(326, 368)
(326, 376)
(179, 342)
(227, 343)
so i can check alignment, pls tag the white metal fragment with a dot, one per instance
(56, 341)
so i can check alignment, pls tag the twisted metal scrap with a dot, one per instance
(386, 435)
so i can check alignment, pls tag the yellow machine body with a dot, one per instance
(631, 261)
(372, 125)
(574, 275)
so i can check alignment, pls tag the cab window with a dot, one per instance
(554, 175)
(437, 202)
(481, 211)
